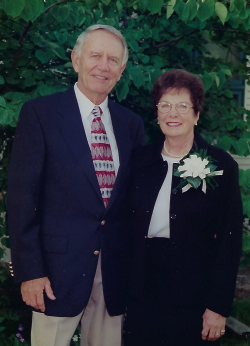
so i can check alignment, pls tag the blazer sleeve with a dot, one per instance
(24, 196)
(229, 240)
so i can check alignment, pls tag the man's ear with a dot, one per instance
(75, 60)
(122, 69)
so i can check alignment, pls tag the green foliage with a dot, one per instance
(240, 311)
(14, 319)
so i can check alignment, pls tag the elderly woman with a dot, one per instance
(186, 217)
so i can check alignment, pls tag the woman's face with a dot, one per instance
(174, 124)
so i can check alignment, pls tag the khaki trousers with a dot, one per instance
(98, 328)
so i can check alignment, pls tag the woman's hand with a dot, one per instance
(213, 325)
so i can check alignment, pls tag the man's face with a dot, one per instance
(100, 65)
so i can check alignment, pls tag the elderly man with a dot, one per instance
(68, 178)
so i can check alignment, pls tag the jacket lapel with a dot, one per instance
(122, 137)
(72, 129)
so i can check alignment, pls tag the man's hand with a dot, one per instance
(213, 325)
(32, 292)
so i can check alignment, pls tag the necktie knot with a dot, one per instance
(97, 111)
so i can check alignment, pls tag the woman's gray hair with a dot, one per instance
(112, 30)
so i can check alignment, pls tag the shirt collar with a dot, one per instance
(86, 106)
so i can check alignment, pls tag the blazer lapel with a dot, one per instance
(72, 129)
(121, 132)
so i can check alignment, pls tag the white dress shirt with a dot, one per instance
(86, 107)
(159, 224)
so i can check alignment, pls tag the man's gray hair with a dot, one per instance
(108, 28)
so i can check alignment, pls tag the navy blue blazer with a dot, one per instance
(55, 206)
(203, 268)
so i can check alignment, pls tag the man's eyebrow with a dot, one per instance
(100, 53)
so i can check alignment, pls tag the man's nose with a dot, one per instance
(103, 64)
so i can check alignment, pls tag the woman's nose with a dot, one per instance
(173, 112)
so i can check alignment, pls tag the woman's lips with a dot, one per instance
(173, 124)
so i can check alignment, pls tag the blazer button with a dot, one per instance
(103, 222)
(96, 252)
(173, 216)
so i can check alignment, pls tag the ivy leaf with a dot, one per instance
(154, 6)
(31, 9)
(221, 11)
(12, 80)
(122, 90)
(30, 81)
(226, 71)
(207, 81)
(6, 242)
(2, 102)
(241, 146)
(2, 80)
(134, 46)
(17, 96)
(155, 73)
(119, 7)
(215, 78)
(59, 51)
(170, 10)
(106, 2)
(46, 90)
(4, 117)
(137, 77)
(224, 143)
(184, 12)
(60, 13)
(227, 93)
(239, 5)
(13, 8)
(192, 6)
(205, 10)
(62, 37)
(39, 75)
(222, 78)
(42, 56)
(231, 7)
(3, 45)
(144, 58)
(246, 237)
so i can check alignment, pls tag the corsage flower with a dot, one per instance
(197, 169)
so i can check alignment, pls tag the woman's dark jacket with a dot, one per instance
(203, 267)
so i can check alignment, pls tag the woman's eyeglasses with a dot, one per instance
(181, 107)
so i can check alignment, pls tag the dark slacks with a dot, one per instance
(156, 321)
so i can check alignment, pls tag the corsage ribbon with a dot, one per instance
(204, 184)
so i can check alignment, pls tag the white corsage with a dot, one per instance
(197, 169)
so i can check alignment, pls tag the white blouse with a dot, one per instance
(159, 224)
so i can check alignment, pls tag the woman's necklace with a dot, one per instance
(176, 156)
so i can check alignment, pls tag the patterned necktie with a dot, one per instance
(102, 156)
